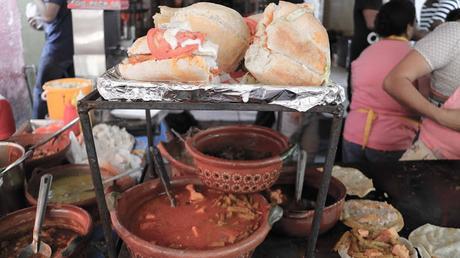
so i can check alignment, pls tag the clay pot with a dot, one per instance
(62, 216)
(298, 224)
(132, 199)
(171, 151)
(72, 170)
(238, 176)
(28, 139)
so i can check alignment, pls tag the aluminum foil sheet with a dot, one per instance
(112, 87)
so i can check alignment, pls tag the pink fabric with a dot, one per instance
(12, 82)
(440, 139)
(7, 127)
(389, 131)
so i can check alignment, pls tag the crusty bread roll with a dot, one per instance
(222, 25)
(371, 215)
(291, 47)
(185, 69)
(256, 17)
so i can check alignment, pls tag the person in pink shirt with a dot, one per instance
(436, 54)
(377, 127)
(437, 141)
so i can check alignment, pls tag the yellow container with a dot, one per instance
(61, 91)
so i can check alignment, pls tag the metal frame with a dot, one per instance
(94, 101)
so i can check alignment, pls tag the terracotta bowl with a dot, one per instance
(132, 199)
(173, 152)
(28, 139)
(62, 216)
(33, 184)
(298, 224)
(238, 176)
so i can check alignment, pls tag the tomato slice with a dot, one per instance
(160, 49)
(252, 25)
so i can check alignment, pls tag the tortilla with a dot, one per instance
(355, 181)
(371, 215)
(434, 241)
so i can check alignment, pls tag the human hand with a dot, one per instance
(35, 23)
(449, 118)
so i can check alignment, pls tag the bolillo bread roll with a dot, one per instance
(291, 47)
(185, 69)
(222, 25)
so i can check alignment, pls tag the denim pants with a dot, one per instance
(353, 153)
(48, 69)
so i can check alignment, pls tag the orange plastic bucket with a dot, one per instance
(59, 92)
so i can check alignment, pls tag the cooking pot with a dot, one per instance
(57, 158)
(12, 183)
(32, 186)
(123, 208)
(238, 176)
(174, 152)
(62, 216)
(298, 223)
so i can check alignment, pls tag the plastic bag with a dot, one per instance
(113, 148)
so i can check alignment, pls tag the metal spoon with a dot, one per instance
(299, 204)
(163, 174)
(38, 144)
(276, 213)
(39, 247)
(301, 165)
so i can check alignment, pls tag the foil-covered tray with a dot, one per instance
(113, 87)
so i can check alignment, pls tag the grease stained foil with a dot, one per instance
(113, 87)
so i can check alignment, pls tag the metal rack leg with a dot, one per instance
(144, 170)
(324, 186)
(150, 143)
(97, 181)
(279, 121)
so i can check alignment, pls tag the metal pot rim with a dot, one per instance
(13, 145)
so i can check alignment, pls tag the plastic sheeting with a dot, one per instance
(12, 81)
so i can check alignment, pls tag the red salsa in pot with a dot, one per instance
(52, 147)
(202, 220)
(57, 238)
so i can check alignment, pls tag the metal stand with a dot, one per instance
(94, 101)
(97, 181)
(324, 186)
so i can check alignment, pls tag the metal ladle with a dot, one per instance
(299, 204)
(38, 247)
(163, 174)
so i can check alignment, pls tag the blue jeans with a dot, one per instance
(48, 69)
(353, 153)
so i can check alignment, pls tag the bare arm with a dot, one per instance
(419, 34)
(400, 85)
(369, 17)
(424, 86)
(435, 24)
(48, 11)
